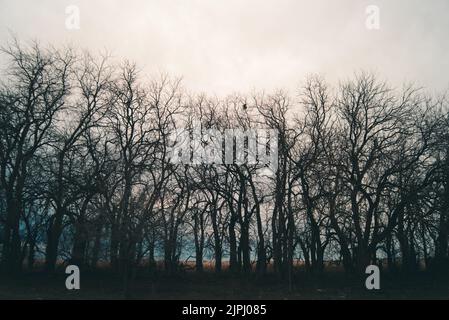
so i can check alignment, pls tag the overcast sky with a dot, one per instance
(220, 46)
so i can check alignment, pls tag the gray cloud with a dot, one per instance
(225, 46)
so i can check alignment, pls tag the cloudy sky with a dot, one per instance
(220, 46)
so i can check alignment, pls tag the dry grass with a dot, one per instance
(333, 284)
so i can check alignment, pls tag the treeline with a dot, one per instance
(85, 173)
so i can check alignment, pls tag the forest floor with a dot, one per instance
(190, 285)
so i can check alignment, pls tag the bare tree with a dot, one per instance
(36, 90)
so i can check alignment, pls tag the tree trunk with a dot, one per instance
(53, 234)
(11, 255)
(217, 239)
(79, 245)
(233, 264)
